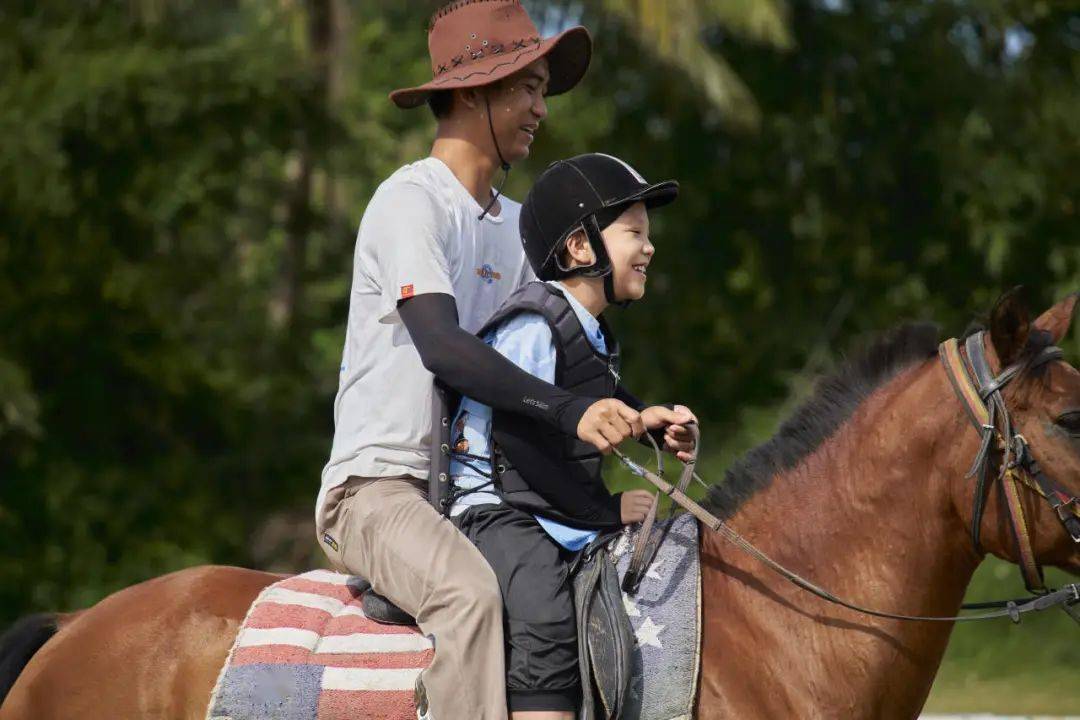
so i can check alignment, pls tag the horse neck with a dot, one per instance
(870, 516)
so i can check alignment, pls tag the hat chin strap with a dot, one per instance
(602, 268)
(505, 165)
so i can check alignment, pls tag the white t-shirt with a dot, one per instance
(420, 234)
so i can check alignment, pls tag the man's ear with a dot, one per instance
(1058, 319)
(469, 97)
(1010, 325)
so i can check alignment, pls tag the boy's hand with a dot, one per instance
(635, 505)
(607, 423)
(677, 438)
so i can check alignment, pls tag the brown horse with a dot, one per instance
(863, 491)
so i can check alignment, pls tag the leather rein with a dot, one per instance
(985, 407)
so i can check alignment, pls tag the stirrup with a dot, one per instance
(423, 708)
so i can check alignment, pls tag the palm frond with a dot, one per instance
(675, 31)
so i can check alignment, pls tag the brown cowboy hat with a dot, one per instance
(476, 42)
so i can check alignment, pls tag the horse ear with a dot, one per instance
(1010, 324)
(1057, 319)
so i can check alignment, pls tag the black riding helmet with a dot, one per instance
(589, 192)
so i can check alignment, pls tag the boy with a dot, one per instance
(585, 229)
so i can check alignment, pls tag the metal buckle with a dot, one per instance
(1072, 607)
(1065, 515)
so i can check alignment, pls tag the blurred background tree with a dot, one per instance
(180, 185)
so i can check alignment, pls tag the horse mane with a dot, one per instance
(834, 400)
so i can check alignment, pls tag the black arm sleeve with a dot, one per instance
(473, 368)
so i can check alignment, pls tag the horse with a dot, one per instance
(863, 490)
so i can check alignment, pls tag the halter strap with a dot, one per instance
(980, 394)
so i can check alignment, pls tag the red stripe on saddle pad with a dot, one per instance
(342, 593)
(292, 655)
(349, 624)
(353, 704)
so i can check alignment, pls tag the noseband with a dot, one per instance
(980, 394)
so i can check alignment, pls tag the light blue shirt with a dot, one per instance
(526, 341)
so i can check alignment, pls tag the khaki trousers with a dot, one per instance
(387, 532)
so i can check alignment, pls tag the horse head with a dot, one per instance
(1042, 407)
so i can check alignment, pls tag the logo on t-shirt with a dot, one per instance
(406, 292)
(488, 273)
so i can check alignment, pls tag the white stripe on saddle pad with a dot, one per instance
(304, 599)
(354, 643)
(374, 643)
(253, 637)
(367, 679)
(329, 576)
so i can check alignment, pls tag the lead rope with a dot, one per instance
(1067, 596)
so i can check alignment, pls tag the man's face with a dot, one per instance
(518, 107)
(628, 247)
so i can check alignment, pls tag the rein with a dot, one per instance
(1017, 467)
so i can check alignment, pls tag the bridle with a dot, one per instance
(980, 394)
(985, 406)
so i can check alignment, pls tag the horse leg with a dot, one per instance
(150, 651)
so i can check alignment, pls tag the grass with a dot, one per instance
(1004, 668)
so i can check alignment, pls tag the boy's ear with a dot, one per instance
(579, 249)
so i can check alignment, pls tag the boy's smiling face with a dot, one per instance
(628, 247)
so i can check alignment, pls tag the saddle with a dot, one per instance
(605, 635)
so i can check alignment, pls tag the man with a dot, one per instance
(436, 254)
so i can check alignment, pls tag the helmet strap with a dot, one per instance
(505, 165)
(601, 267)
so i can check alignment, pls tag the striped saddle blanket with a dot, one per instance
(306, 651)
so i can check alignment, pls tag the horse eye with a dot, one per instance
(1070, 422)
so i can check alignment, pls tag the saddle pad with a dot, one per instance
(306, 651)
(666, 616)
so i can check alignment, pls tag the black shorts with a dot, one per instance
(538, 606)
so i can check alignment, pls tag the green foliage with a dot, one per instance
(180, 184)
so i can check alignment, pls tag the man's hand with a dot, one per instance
(607, 423)
(635, 505)
(677, 438)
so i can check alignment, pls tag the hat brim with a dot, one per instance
(568, 55)
(654, 196)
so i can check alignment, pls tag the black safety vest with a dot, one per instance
(527, 452)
